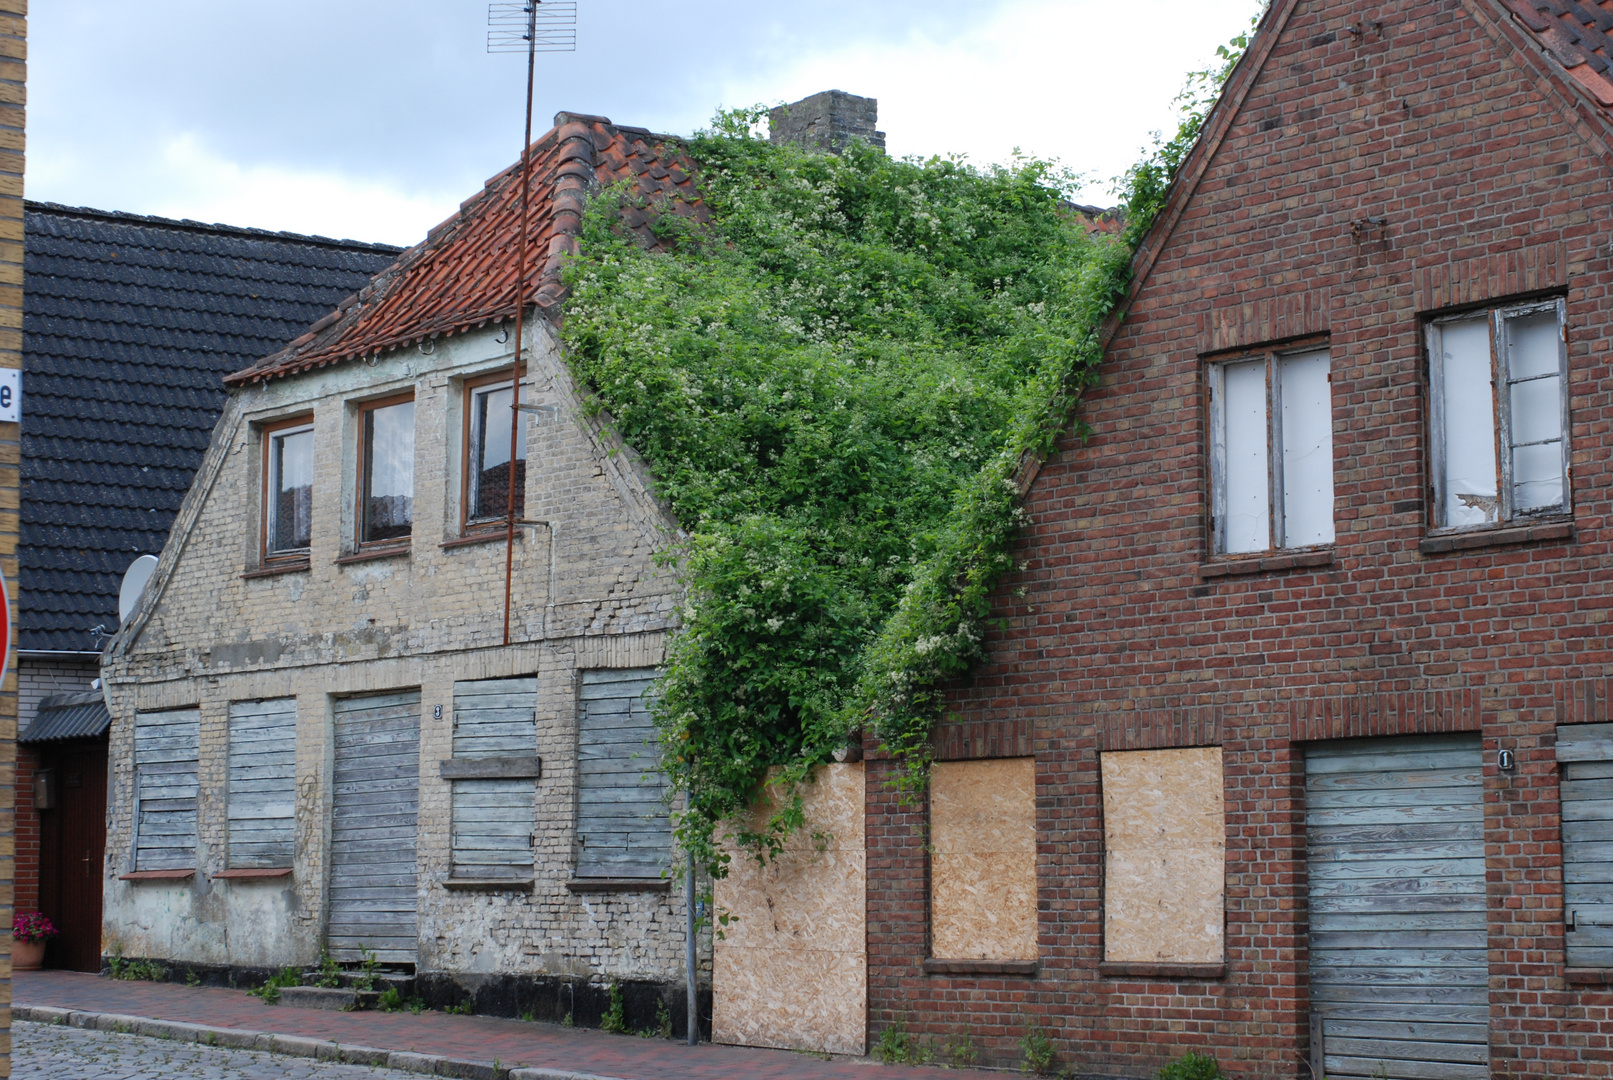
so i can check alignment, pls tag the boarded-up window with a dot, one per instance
(1271, 447)
(983, 860)
(165, 754)
(1165, 856)
(622, 826)
(262, 783)
(1586, 751)
(495, 725)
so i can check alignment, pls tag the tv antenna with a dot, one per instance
(532, 26)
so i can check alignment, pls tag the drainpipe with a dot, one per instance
(689, 954)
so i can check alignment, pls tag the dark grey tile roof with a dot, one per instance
(68, 716)
(129, 325)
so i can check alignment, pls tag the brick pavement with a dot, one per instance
(513, 1043)
(48, 1052)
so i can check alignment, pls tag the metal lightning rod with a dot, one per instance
(554, 30)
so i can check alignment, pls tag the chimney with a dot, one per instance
(827, 122)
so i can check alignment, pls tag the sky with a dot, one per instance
(373, 119)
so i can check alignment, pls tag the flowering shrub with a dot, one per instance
(32, 927)
(835, 383)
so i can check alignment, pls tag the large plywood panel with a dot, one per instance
(792, 971)
(983, 860)
(1165, 870)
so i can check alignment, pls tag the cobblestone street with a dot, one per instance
(52, 1052)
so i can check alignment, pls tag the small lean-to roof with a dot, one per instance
(129, 324)
(463, 275)
(1576, 35)
(68, 716)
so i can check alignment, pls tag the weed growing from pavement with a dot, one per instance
(615, 1019)
(270, 990)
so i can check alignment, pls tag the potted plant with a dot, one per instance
(29, 933)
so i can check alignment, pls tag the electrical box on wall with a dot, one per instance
(45, 789)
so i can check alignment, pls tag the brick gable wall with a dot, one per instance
(1390, 159)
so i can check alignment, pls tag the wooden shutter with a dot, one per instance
(262, 783)
(622, 826)
(375, 804)
(1586, 751)
(1399, 958)
(165, 760)
(493, 818)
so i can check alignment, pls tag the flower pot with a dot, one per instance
(27, 955)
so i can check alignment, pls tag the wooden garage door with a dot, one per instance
(1399, 968)
(375, 806)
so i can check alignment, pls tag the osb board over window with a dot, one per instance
(792, 972)
(983, 859)
(1165, 869)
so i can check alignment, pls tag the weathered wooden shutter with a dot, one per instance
(375, 803)
(165, 760)
(1399, 960)
(1586, 751)
(622, 826)
(495, 720)
(262, 783)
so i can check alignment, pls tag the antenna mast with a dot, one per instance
(531, 27)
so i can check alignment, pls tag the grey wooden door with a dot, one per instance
(1586, 753)
(375, 804)
(1399, 967)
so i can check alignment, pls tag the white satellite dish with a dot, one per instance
(135, 580)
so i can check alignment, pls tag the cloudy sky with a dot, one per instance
(372, 119)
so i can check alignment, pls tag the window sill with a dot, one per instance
(373, 554)
(277, 569)
(260, 874)
(1265, 564)
(1471, 539)
(599, 885)
(1588, 976)
(1115, 969)
(1023, 968)
(485, 536)
(492, 768)
(158, 875)
(465, 884)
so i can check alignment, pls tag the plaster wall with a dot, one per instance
(586, 594)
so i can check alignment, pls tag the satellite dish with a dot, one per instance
(135, 580)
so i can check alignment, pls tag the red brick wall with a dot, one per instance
(1490, 186)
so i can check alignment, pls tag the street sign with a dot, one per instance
(10, 395)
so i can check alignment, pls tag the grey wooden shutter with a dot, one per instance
(375, 803)
(1586, 751)
(165, 761)
(622, 826)
(1399, 961)
(262, 783)
(493, 817)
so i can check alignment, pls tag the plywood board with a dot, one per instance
(792, 971)
(983, 860)
(1165, 869)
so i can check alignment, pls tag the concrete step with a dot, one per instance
(337, 998)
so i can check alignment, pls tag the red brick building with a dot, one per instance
(1342, 541)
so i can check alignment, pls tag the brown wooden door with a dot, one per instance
(72, 848)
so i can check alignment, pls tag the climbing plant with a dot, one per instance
(833, 382)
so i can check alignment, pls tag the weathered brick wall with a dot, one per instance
(39, 679)
(586, 594)
(1489, 183)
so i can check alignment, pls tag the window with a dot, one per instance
(983, 860)
(622, 825)
(1271, 441)
(386, 472)
(1586, 754)
(288, 488)
(166, 748)
(1499, 415)
(494, 776)
(487, 453)
(1164, 837)
(262, 793)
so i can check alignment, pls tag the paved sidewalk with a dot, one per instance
(513, 1044)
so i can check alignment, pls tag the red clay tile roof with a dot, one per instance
(463, 275)
(1577, 37)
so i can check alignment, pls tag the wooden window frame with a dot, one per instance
(361, 479)
(268, 559)
(1496, 315)
(1215, 455)
(468, 526)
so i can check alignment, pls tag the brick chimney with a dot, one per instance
(827, 122)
